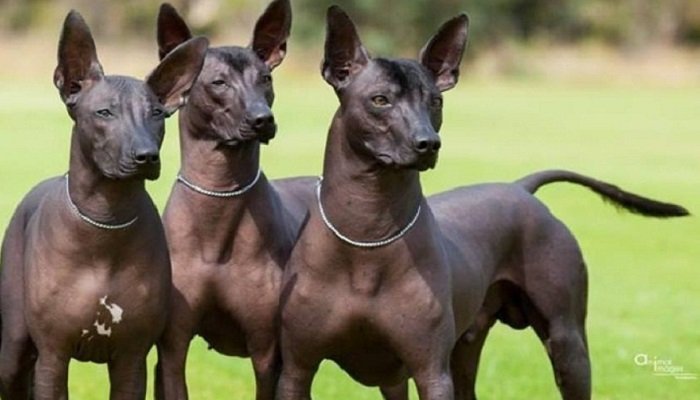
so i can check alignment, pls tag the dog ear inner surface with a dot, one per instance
(172, 30)
(443, 52)
(78, 67)
(345, 56)
(175, 75)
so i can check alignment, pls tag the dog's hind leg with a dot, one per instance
(557, 312)
(565, 342)
(397, 392)
(568, 353)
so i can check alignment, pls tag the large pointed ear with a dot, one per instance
(78, 67)
(172, 30)
(344, 54)
(443, 53)
(174, 76)
(271, 33)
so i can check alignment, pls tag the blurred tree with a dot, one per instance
(689, 30)
(398, 26)
(21, 14)
(386, 25)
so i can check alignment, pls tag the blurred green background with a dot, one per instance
(607, 88)
(389, 24)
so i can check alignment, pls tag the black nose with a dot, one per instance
(262, 120)
(427, 144)
(146, 157)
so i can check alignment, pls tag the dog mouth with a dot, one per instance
(420, 163)
(386, 160)
(424, 166)
(266, 133)
(247, 135)
(424, 163)
(230, 142)
(237, 139)
(149, 172)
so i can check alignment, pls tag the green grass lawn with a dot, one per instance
(644, 273)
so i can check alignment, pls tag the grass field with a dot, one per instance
(644, 273)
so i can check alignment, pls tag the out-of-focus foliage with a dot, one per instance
(402, 24)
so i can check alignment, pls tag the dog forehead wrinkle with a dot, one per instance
(127, 89)
(238, 58)
(123, 83)
(407, 74)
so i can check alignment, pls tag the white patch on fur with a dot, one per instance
(102, 330)
(116, 311)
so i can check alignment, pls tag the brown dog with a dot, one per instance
(85, 267)
(391, 285)
(229, 230)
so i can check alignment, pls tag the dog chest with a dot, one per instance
(93, 312)
(96, 339)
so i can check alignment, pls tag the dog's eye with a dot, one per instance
(157, 113)
(436, 102)
(266, 79)
(380, 101)
(104, 113)
(218, 82)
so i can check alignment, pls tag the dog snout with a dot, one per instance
(427, 144)
(146, 156)
(260, 118)
(260, 121)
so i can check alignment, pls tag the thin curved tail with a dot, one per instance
(629, 201)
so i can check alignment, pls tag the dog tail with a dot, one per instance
(629, 201)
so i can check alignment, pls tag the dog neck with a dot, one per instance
(253, 216)
(213, 166)
(364, 200)
(103, 199)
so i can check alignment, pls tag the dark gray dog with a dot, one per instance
(390, 285)
(229, 230)
(85, 266)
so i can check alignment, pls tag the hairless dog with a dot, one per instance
(230, 230)
(85, 266)
(391, 285)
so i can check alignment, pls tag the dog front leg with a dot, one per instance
(397, 392)
(266, 366)
(51, 377)
(127, 377)
(170, 381)
(295, 382)
(16, 364)
(435, 384)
